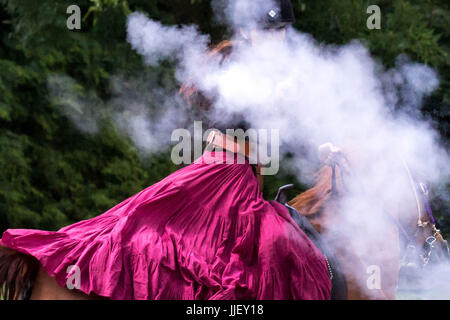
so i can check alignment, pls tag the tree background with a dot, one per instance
(52, 174)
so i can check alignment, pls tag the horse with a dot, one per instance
(407, 224)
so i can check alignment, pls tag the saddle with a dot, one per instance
(338, 282)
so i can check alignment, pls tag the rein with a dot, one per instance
(334, 162)
(429, 241)
(424, 194)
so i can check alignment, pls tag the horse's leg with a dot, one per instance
(354, 270)
(46, 288)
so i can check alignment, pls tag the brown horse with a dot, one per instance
(356, 251)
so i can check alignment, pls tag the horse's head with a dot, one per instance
(366, 206)
(322, 198)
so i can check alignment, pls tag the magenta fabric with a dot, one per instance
(203, 232)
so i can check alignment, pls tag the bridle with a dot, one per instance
(420, 191)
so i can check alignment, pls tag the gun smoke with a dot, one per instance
(313, 94)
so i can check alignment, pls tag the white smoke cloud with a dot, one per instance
(75, 103)
(132, 109)
(146, 112)
(408, 84)
(313, 94)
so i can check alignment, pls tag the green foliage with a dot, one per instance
(54, 174)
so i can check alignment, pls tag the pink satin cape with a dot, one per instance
(203, 232)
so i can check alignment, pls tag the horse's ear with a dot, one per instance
(326, 152)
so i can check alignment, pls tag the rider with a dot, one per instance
(278, 15)
(203, 232)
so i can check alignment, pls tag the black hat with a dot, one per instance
(278, 13)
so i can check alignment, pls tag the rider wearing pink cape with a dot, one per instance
(203, 232)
